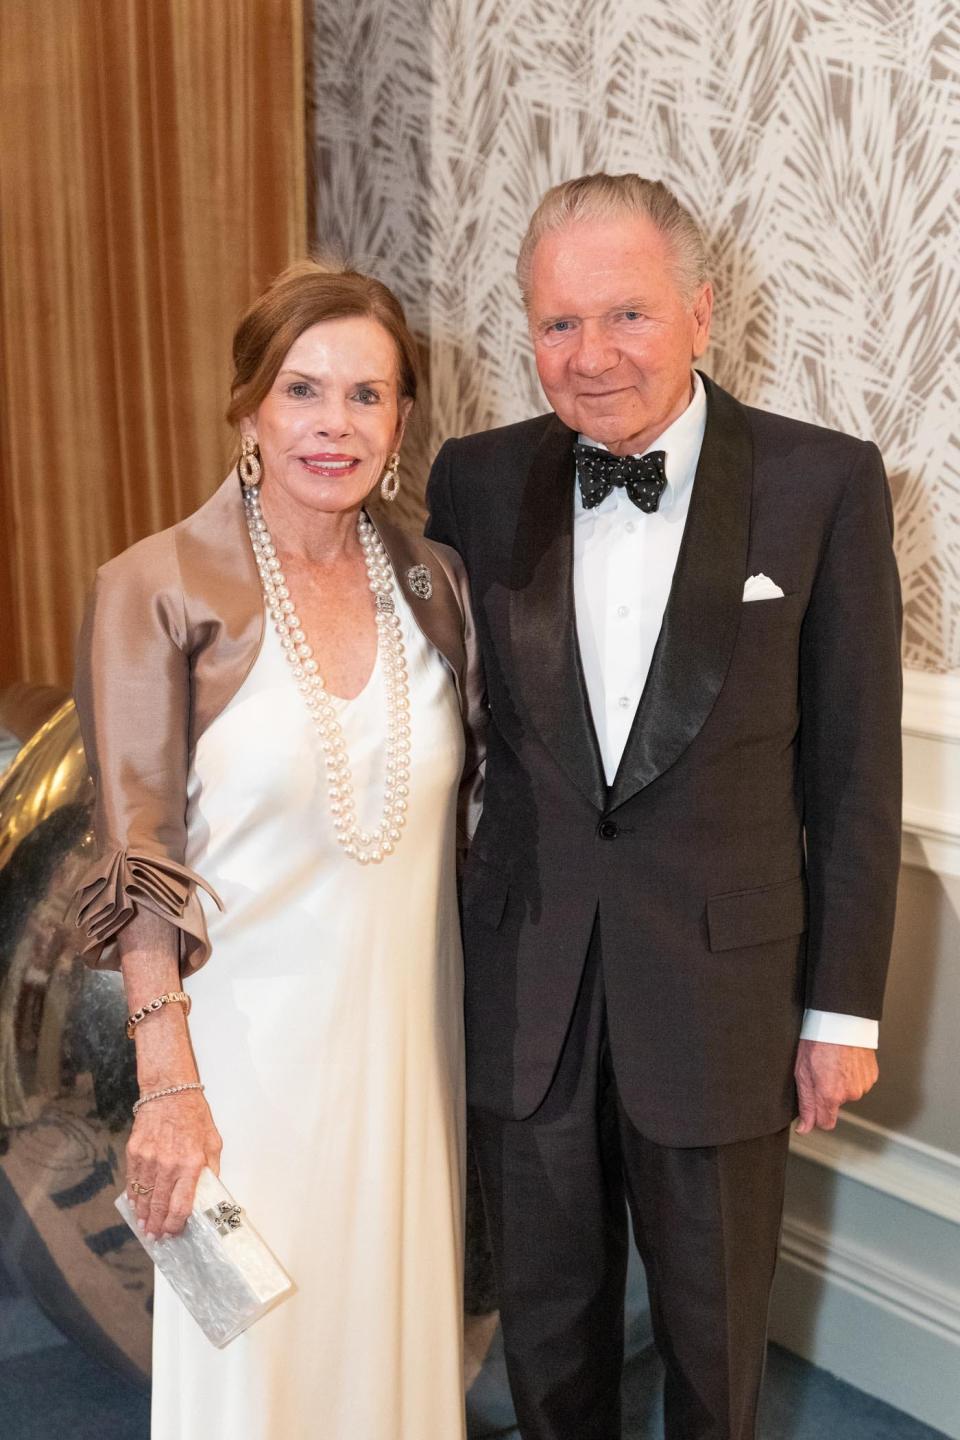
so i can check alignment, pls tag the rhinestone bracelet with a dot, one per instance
(170, 1090)
(175, 997)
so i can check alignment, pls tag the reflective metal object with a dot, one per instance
(9, 747)
(23, 709)
(226, 1216)
(67, 1077)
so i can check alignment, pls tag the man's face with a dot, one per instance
(614, 334)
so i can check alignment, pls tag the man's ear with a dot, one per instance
(702, 315)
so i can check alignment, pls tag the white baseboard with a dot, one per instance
(869, 1279)
(875, 1327)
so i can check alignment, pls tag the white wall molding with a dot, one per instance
(878, 1324)
(931, 705)
(914, 1299)
(931, 771)
(896, 1165)
(869, 1279)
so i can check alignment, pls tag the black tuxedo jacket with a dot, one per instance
(744, 862)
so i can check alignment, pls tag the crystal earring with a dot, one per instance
(248, 466)
(390, 484)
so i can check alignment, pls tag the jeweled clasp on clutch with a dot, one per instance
(226, 1216)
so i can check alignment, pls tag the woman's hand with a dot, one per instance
(171, 1141)
(173, 1137)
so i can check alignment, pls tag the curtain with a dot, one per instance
(152, 180)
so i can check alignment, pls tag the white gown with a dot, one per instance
(327, 1026)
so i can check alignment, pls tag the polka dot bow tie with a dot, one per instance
(599, 472)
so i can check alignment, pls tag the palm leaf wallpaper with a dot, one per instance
(815, 140)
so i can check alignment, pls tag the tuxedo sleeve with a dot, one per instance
(850, 748)
(441, 518)
(442, 526)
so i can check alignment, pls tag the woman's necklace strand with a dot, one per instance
(366, 847)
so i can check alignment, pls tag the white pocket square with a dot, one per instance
(761, 587)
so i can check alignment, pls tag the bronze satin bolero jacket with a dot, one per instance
(172, 629)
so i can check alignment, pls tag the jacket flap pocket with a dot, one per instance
(484, 891)
(756, 917)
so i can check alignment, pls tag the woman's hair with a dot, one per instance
(307, 293)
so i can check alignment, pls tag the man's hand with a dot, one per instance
(827, 1077)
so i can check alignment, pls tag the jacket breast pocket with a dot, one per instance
(484, 892)
(775, 609)
(757, 917)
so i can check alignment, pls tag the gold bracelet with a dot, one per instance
(175, 997)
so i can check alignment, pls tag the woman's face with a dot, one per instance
(332, 417)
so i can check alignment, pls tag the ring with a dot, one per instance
(139, 1189)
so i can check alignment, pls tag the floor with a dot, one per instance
(50, 1388)
(800, 1403)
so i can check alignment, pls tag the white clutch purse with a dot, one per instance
(218, 1265)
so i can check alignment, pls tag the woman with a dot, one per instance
(272, 695)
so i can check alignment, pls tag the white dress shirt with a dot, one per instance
(623, 564)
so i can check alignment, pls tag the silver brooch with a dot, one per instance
(420, 581)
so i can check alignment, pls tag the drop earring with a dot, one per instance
(390, 484)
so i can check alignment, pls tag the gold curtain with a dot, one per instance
(152, 179)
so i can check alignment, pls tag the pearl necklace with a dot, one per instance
(363, 846)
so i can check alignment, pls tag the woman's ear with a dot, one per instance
(405, 407)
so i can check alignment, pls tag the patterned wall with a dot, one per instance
(816, 140)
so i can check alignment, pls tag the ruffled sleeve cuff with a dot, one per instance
(123, 881)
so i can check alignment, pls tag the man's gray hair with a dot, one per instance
(596, 197)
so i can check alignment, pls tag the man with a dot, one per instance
(679, 902)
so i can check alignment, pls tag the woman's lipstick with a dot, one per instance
(329, 465)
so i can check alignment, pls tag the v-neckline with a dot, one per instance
(342, 702)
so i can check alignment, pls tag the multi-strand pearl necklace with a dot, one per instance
(367, 847)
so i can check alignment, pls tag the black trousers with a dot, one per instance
(706, 1223)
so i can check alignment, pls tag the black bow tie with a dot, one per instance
(599, 472)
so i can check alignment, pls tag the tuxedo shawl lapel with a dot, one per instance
(543, 629)
(702, 617)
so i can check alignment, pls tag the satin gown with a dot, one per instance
(328, 1031)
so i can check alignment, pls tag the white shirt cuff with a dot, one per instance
(836, 1029)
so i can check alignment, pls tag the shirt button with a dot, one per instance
(624, 701)
(630, 526)
(608, 830)
(623, 611)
